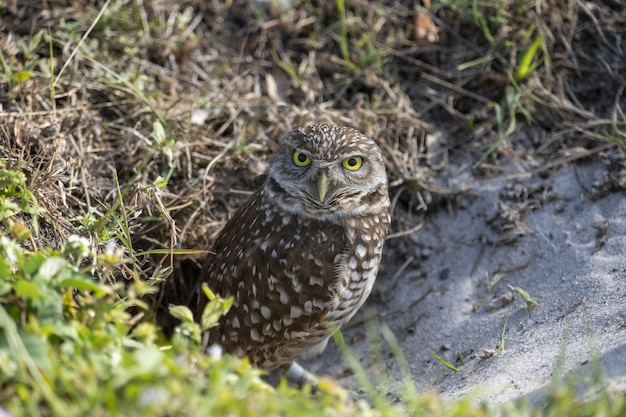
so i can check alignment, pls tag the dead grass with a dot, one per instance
(225, 80)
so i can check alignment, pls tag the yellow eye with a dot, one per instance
(353, 163)
(300, 159)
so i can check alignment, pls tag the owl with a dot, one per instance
(301, 255)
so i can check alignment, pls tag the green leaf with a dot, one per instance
(443, 361)
(21, 76)
(36, 349)
(207, 291)
(158, 133)
(530, 301)
(19, 230)
(28, 289)
(51, 267)
(32, 352)
(5, 273)
(5, 287)
(149, 359)
(8, 208)
(84, 283)
(213, 311)
(182, 313)
(66, 331)
(160, 182)
(526, 65)
(48, 308)
(32, 263)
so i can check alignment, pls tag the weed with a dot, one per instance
(531, 302)
(16, 198)
(443, 361)
(528, 63)
(167, 146)
(500, 349)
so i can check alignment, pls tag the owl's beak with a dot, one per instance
(322, 185)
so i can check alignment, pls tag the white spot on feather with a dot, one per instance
(295, 312)
(316, 281)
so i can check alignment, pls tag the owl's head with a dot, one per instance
(328, 172)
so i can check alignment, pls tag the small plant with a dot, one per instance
(443, 361)
(165, 144)
(362, 48)
(528, 62)
(500, 349)
(16, 199)
(531, 302)
(26, 66)
(215, 308)
(288, 66)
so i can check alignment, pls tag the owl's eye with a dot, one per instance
(353, 163)
(300, 159)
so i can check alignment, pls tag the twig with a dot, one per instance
(399, 271)
(405, 232)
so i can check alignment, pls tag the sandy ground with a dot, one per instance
(553, 237)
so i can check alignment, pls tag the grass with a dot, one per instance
(129, 131)
(443, 361)
(531, 302)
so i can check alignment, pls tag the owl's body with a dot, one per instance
(301, 256)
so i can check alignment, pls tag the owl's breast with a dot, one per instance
(358, 268)
(304, 251)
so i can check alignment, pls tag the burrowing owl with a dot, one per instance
(301, 256)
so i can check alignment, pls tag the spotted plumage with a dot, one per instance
(301, 255)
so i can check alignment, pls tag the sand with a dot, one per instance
(560, 237)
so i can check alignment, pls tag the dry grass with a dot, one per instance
(82, 86)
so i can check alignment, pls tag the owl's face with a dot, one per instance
(328, 173)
